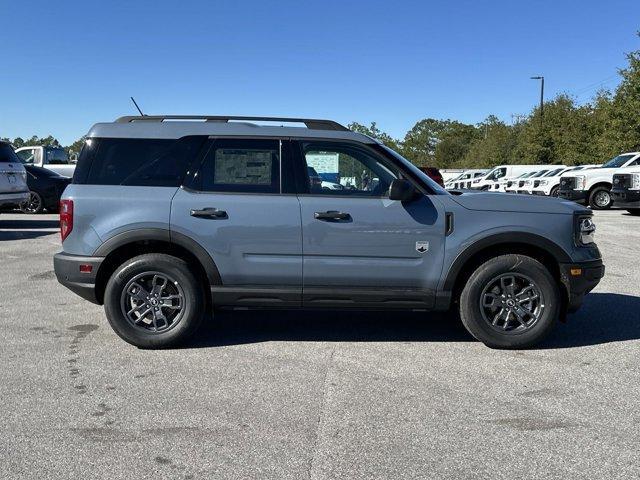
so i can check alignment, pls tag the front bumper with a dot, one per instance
(579, 279)
(573, 195)
(67, 268)
(626, 198)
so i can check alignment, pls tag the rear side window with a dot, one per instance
(56, 156)
(136, 162)
(7, 154)
(243, 166)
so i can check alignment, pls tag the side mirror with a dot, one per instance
(402, 190)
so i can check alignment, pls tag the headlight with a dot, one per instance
(581, 181)
(543, 182)
(585, 230)
(527, 182)
(634, 184)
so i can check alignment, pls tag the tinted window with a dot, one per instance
(7, 154)
(356, 171)
(248, 166)
(56, 156)
(141, 162)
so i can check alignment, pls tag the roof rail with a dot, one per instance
(312, 124)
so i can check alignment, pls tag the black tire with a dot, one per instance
(554, 192)
(475, 318)
(634, 211)
(33, 205)
(594, 199)
(179, 280)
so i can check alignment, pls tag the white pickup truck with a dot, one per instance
(593, 186)
(51, 158)
(626, 190)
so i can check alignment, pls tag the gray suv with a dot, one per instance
(170, 218)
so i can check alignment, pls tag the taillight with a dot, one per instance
(66, 218)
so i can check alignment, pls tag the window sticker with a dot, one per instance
(243, 167)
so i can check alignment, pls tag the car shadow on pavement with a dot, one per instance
(603, 318)
(241, 327)
(25, 229)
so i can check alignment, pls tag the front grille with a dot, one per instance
(536, 183)
(568, 183)
(521, 183)
(509, 184)
(621, 180)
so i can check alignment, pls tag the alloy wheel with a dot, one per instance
(33, 204)
(153, 301)
(511, 303)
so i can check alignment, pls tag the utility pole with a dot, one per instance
(541, 78)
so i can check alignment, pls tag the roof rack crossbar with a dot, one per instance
(312, 124)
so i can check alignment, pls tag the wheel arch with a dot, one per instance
(132, 243)
(540, 248)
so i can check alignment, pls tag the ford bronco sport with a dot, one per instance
(168, 219)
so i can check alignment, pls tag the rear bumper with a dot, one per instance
(573, 195)
(13, 198)
(578, 285)
(626, 198)
(67, 268)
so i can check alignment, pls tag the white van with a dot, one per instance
(490, 180)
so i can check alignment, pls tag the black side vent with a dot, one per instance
(448, 222)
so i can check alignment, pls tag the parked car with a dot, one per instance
(49, 157)
(593, 186)
(550, 184)
(465, 179)
(225, 217)
(626, 190)
(434, 174)
(510, 185)
(490, 180)
(13, 181)
(45, 190)
(525, 186)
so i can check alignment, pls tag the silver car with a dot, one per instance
(13, 177)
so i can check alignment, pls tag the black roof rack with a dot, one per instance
(312, 124)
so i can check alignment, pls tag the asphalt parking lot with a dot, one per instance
(310, 394)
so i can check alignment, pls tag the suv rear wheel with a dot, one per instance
(600, 198)
(510, 301)
(154, 301)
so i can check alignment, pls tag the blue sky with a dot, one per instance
(67, 65)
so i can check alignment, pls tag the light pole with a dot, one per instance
(541, 78)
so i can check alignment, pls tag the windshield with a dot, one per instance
(437, 189)
(539, 174)
(553, 173)
(618, 161)
(7, 154)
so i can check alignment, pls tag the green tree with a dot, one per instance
(374, 132)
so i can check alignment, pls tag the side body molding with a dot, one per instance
(163, 235)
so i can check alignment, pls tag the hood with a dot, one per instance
(503, 202)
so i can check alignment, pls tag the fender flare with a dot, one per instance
(163, 235)
(526, 238)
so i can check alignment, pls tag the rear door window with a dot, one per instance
(56, 156)
(242, 166)
(138, 162)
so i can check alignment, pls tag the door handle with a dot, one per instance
(209, 212)
(331, 215)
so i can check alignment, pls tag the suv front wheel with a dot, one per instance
(154, 301)
(510, 301)
(600, 198)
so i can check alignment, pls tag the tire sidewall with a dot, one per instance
(471, 315)
(193, 301)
